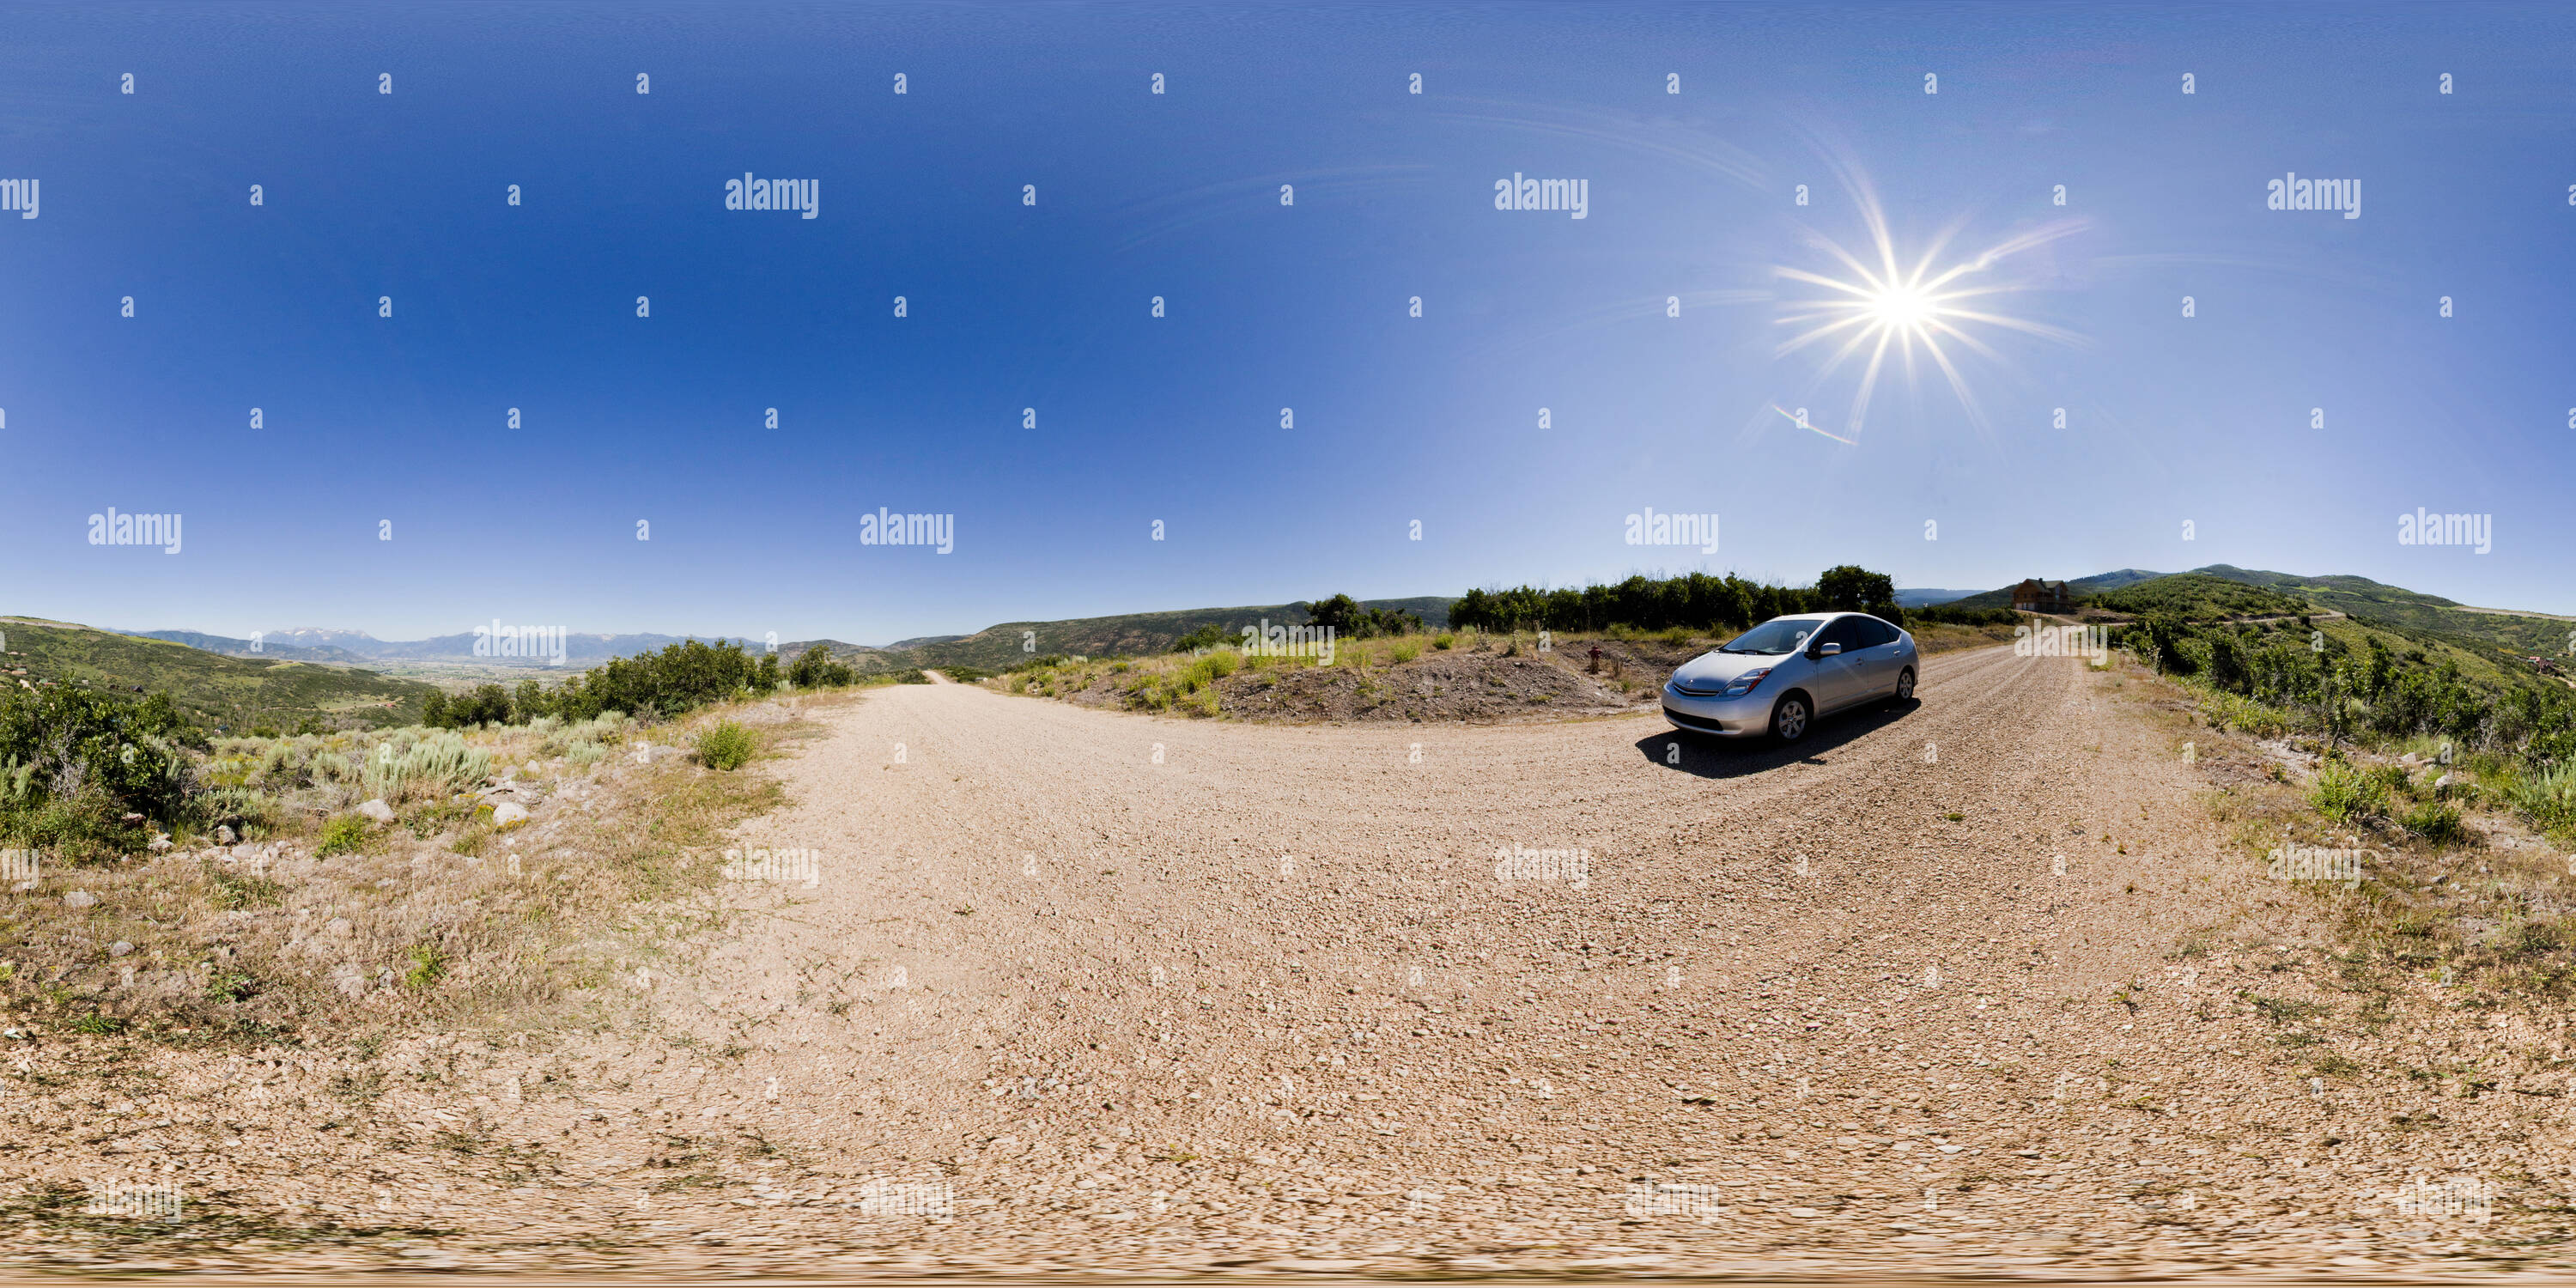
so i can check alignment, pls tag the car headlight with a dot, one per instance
(1747, 682)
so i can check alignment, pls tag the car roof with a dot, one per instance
(1827, 617)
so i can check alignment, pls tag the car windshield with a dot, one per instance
(1772, 638)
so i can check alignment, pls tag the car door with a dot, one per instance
(1882, 656)
(1837, 680)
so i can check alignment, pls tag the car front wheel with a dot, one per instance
(1789, 719)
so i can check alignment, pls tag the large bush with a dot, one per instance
(680, 678)
(75, 762)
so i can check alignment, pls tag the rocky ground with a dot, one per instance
(1967, 985)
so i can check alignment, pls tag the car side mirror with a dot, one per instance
(1828, 650)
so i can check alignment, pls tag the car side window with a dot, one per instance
(1843, 631)
(1875, 632)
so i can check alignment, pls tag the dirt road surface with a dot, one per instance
(1064, 988)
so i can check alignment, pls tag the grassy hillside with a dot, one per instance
(2200, 597)
(2080, 587)
(2397, 606)
(234, 693)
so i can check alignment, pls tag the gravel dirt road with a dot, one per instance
(1064, 988)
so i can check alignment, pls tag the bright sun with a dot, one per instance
(1902, 307)
(1890, 307)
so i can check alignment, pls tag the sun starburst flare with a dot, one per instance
(1927, 307)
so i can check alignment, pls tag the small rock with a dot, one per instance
(160, 842)
(80, 899)
(378, 810)
(2441, 782)
(508, 814)
(224, 835)
(119, 948)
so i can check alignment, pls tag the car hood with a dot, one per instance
(1712, 671)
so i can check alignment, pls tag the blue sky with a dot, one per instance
(369, 419)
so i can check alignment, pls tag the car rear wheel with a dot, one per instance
(1789, 719)
(1905, 685)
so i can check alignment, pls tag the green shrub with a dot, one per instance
(2346, 796)
(911, 675)
(585, 753)
(346, 834)
(2391, 780)
(230, 986)
(428, 966)
(727, 746)
(817, 669)
(435, 766)
(75, 762)
(1443, 640)
(98, 1025)
(1404, 650)
(2435, 821)
(234, 891)
(2547, 795)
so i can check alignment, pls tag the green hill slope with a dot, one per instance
(233, 693)
(2200, 597)
(2513, 633)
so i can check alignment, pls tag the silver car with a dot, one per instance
(1778, 677)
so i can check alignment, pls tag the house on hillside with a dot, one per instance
(2042, 597)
